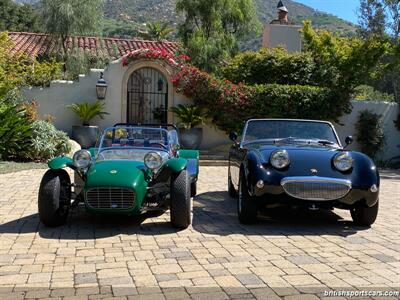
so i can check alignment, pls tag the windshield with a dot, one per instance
(276, 130)
(133, 143)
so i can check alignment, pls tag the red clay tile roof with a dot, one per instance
(37, 44)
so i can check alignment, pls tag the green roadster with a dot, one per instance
(133, 170)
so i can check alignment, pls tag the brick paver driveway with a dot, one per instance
(291, 254)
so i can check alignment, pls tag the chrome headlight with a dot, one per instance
(82, 159)
(153, 160)
(280, 159)
(343, 161)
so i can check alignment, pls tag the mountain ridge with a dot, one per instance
(136, 13)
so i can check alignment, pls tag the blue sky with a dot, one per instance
(345, 9)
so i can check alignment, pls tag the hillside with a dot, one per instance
(134, 13)
(142, 11)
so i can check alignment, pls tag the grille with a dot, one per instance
(110, 198)
(316, 188)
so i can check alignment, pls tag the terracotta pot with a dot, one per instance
(190, 138)
(86, 136)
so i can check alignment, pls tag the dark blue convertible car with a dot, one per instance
(301, 163)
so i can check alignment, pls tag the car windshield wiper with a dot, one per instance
(325, 142)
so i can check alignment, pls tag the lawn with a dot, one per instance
(10, 167)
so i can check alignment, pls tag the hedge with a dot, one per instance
(230, 105)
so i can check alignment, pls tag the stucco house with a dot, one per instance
(139, 92)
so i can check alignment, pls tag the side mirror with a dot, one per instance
(349, 140)
(233, 136)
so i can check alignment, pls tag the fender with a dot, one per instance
(189, 154)
(61, 163)
(176, 165)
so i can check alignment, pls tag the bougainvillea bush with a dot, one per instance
(230, 105)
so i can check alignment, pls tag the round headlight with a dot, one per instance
(153, 160)
(82, 159)
(343, 161)
(280, 159)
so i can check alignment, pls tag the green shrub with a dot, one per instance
(189, 115)
(272, 66)
(88, 111)
(47, 141)
(15, 133)
(370, 135)
(79, 62)
(368, 93)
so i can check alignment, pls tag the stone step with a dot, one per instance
(208, 155)
(213, 163)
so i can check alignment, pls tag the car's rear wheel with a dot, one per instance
(54, 199)
(247, 205)
(231, 189)
(363, 215)
(181, 201)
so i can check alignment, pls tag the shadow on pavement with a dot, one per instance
(213, 213)
(82, 225)
(216, 213)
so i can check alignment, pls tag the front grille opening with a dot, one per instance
(110, 198)
(307, 190)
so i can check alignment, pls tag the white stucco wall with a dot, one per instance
(388, 111)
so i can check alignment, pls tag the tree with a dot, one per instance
(17, 17)
(64, 18)
(381, 19)
(379, 16)
(157, 31)
(212, 27)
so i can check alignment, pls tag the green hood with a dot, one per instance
(125, 174)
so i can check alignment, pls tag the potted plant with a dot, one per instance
(86, 135)
(190, 116)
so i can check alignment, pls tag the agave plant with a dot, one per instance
(189, 115)
(88, 111)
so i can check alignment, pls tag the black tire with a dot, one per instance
(364, 215)
(247, 205)
(193, 189)
(231, 189)
(181, 202)
(54, 199)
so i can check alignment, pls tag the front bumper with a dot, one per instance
(314, 189)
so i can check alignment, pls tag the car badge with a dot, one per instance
(113, 171)
(314, 171)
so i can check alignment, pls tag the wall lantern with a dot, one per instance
(160, 85)
(101, 88)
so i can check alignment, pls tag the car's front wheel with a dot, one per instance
(181, 201)
(247, 205)
(364, 215)
(54, 198)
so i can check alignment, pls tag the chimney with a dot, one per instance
(282, 33)
(282, 13)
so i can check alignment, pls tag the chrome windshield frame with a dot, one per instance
(243, 142)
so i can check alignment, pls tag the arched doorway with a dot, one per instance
(147, 97)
